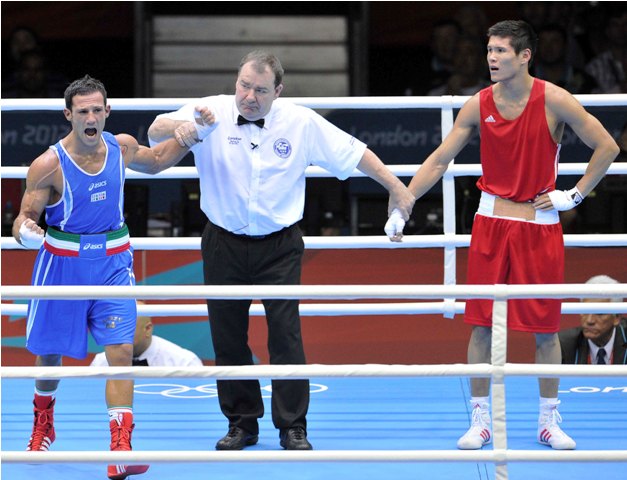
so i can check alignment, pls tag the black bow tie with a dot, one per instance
(241, 121)
(140, 363)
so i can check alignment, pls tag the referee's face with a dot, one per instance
(255, 91)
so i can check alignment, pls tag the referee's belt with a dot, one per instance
(92, 245)
(242, 236)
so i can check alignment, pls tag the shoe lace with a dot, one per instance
(551, 418)
(120, 438)
(479, 418)
(233, 432)
(298, 433)
(41, 427)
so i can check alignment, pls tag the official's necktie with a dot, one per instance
(139, 363)
(601, 356)
(241, 121)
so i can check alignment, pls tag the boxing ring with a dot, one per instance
(366, 421)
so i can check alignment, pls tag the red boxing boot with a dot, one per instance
(43, 427)
(121, 430)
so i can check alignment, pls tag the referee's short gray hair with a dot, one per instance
(604, 279)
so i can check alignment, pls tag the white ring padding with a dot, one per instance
(315, 292)
(367, 456)
(351, 243)
(335, 309)
(305, 309)
(247, 372)
(405, 170)
(378, 102)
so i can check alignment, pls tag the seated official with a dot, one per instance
(601, 339)
(149, 349)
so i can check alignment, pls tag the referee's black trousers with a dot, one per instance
(276, 259)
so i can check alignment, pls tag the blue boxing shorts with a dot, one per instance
(59, 327)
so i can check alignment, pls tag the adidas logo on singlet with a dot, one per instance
(489, 119)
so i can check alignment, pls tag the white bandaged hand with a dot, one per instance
(203, 129)
(565, 199)
(395, 224)
(30, 238)
(185, 134)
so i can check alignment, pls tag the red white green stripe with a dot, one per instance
(69, 244)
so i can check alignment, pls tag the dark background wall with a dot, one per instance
(97, 37)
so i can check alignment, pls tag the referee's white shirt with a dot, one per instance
(160, 353)
(252, 180)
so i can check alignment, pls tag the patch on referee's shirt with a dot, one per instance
(282, 148)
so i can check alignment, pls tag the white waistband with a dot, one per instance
(543, 217)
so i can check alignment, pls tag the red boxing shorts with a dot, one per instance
(515, 252)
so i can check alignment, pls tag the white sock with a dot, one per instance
(116, 413)
(483, 402)
(43, 393)
(548, 403)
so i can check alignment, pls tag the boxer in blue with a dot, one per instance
(79, 183)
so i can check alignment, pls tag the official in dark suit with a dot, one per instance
(601, 338)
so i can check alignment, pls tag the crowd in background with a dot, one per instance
(582, 47)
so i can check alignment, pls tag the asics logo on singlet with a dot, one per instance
(97, 185)
(489, 119)
(93, 246)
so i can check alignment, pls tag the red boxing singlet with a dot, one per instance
(519, 157)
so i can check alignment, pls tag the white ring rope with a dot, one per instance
(315, 292)
(334, 309)
(353, 243)
(247, 372)
(379, 103)
(405, 170)
(473, 456)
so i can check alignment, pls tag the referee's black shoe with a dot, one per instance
(236, 439)
(294, 438)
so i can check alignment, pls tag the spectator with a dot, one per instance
(535, 14)
(21, 39)
(472, 20)
(551, 63)
(149, 349)
(601, 338)
(442, 43)
(33, 79)
(589, 29)
(468, 73)
(609, 68)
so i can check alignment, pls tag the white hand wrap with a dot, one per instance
(187, 141)
(30, 239)
(565, 199)
(395, 224)
(202, 129)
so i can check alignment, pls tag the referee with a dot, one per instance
(251, 150)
